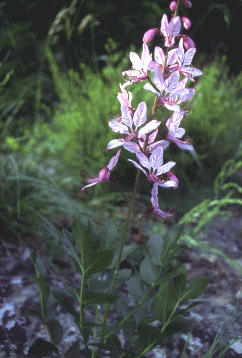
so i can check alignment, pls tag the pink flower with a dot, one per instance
(174, 132)
(140, 66)
(175, 91)
(156, 169)
(150, 34)
(173, 5)
(170, 30)
(104, 174)
(155, 205)
(185, 60)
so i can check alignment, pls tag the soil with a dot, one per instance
(223, 297)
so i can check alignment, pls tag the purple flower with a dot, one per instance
(104, 174)
(130, 133)
(170, 30)
(175, 91)
(174, 132)
(184, 60)
(140, 66)
(156, 169)
(155, 206)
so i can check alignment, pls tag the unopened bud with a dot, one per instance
(173, 5)
(187, 3)
(188, 43)
(186, 22)
(150, 34)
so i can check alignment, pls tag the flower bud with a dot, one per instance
(173, 5)
(186, 22)
(187, 3)
(150, 34)
(188, 43)
(103, 174)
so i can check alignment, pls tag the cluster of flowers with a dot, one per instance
(138, 137)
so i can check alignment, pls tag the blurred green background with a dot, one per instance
(60, 76)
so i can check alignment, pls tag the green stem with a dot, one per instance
(129, 213)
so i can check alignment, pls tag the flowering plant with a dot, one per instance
(157, 289)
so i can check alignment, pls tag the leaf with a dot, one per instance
(148, 333)
(100, 260)
(39, 267)
(43, 286)
(179, 283)
(170, 239)
(175, 327)
(128, 328)
(51, 308)
(172, 273)
(156, 248)
(182, 311)
(133, 286)
(56, 331)
(122, 308)
(41, 348)
(73, 351)
(70, 237)
(165, 302)
(75, 289)
(31, 313)
(99, 297)
(108, 235)
(84, 241)
(148, 270)
(195, 288)
(64, 302)
(126, 252)
(114, 345)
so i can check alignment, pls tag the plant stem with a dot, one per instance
(129, 213)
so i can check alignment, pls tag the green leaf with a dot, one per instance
(149, 334)
(170, 239)
(115, 346)
(84, 241)
(100, 260)
(175, 327)
(51, 308)
(122, 308)
(75, 264)
(56, 331)
(64, 302)
(165, 302)
(43, 286)
(31, 313)
(126, 252)
(39, 267)
(70, 237)
(61, 272)
(148, 270)
(179, 283)
(128, 328)
(73, 351)
(99, 297)
(108, 235)
(182, 311)
(195, 288)
(41, 348)
(133, 286)
(156, 248)
(172, 273)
